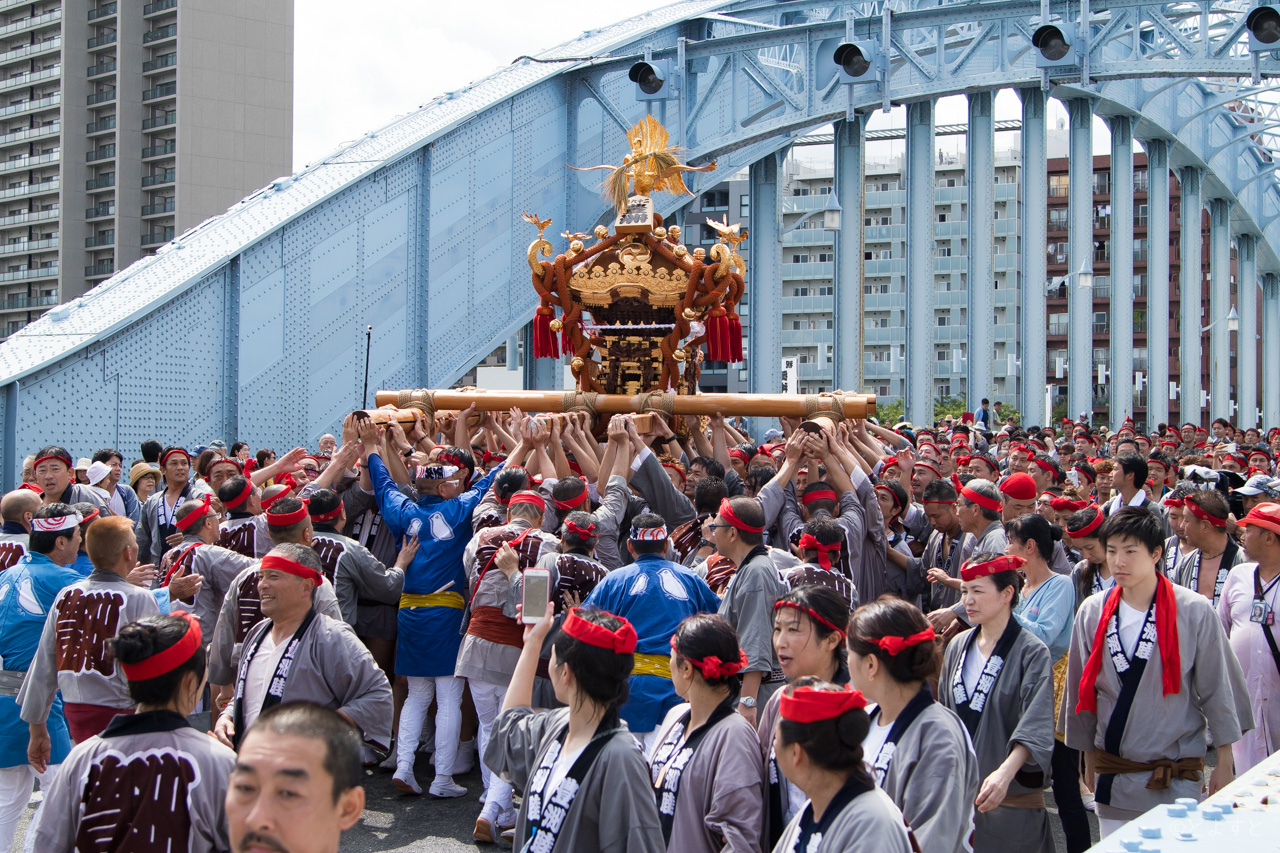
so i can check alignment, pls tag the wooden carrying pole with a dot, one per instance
(833, 406)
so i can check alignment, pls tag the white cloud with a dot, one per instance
(357, 66)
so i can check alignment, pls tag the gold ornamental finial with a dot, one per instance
(532, 219)
(652, 166)
(729, 233)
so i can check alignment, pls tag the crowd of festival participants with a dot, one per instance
(833, 636)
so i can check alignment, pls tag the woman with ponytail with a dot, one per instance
(1091, 574)
(818, 742)
(808, 638)
(997, 676)
(918, 750)
(708, 777)
(149, 775)
(584, 784)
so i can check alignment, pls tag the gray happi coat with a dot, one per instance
(149, 777)
(933, 778)
(73, 656)
(871, 823)
(1019, 710)
(358, 576)
(720, 801)
(217, 565)
(241, 610)
(1173, 727)
(614, 810)
(334, 669)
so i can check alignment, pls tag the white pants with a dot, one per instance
(16, 784)
(447, 691)
(1106, 826)
(488, 699)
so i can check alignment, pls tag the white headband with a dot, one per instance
(434, 472)
(648, 534)
(56, 523)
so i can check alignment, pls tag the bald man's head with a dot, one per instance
(17, 506)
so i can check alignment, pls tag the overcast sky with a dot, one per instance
(355, 71)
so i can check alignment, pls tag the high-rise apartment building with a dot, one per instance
(124, 123)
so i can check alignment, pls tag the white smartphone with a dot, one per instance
(537, 595)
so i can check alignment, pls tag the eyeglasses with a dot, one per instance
(717, 526)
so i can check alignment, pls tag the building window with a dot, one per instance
(801, 291)
(1058, 186)
(943, 320)
(1057, 219)
(744, 206)
(795, 325)
(944, 252)
(942, 354)
(715, 200)
(1102, 183)
(826, 290)
(1139, 215)
(830, 325)
(824, 190)
(944, 389)
(799, 191)
(1139, 180)
(942, 217)
(826, 257)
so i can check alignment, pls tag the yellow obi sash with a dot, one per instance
(659, 665)
(432, 599)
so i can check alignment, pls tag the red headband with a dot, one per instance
(1065, 505)
(740, 455)
(531, 498)
(896, 500)
(573, 502)
(671, 466)
(811, 613)
(819, 495)
(189, 520)
(284, 519)
(621, 641)
(711, 666)
(1201, 514)
(326, 516)
(66, 462)
(240, 498)
(1175, 502)
(32, 487)
(811, 705)
(1090, 528)
(893, 645)
(981, 500)
(726, 512)
(164, 459)
(809, 542)
(91, 516)
(284, 564)
(991, 567)
(1045, 466)
(588, 532)
(925, 463)
(268, 501)
(169, 659)
(1266, 516)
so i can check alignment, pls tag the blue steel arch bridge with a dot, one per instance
(253, 323)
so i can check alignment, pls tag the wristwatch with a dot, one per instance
(747, 701)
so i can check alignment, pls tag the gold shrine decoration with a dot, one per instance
(413, 404)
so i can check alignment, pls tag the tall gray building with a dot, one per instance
(123, 124)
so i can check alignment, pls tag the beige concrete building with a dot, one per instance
(124, 123)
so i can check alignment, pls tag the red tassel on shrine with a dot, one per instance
(544, 341)
(718, 344)
(566, 341)
(735, 337)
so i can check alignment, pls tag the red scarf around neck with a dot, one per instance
(1166, 638)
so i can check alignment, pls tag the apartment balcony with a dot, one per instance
(808, 237)
(106, 238)
(884, 267)
(156, 238)
(10, 4)
(166, 206)
(883, 233)
(100, 270)
(105, 152)
(160, 150)
(30, 77)
(875, 369)
(27, 106)
(159, 6)
(164, 90)
(107, 208)
(29, 274)
(166, 177)
(101, 182)
(808, 304)
(106, 10)
(163, 120)
(167, 61)
(19, 302)
(108, 123)
(107, 66)
(23, 163)
(804, 203)
(161, 34)
(32, 49)
(1059, 329)
(101, 41)
(32, 216)
(26, 247)
(31, 23)
(32, 133)
(806, 337)
(40, 188)
(101, 97)
(812, 269)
